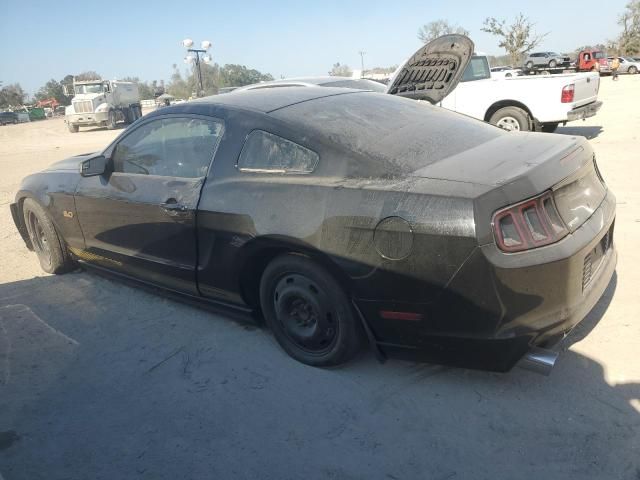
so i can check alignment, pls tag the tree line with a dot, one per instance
(181, 85)
(518, 37)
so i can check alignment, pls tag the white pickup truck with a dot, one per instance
(538, 103)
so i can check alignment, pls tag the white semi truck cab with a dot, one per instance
(102, 103)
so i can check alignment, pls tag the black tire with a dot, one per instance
(553, 64)
(529, 65)
(308, 312)
(513, 117)
(48, 245)
(111, 122)
(15, 121)
(138, 112)
(73, 128)
(549, 127)
(632, 70)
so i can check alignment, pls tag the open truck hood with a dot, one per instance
(434, 70)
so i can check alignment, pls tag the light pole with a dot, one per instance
(205, 45)
(362, 54)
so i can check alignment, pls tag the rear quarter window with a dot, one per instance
(265, 152)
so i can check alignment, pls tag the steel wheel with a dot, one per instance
(308, 312)
(509, 124)
(38, 238)
(305, 313)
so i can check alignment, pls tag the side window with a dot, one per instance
(266, 152)
(170, 147)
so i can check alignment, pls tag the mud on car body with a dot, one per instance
(343, 217)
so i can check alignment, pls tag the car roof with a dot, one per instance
(265, 100)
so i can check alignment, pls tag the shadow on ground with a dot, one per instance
(101, 380)
(585, 131)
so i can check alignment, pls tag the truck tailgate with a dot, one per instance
(586, 88)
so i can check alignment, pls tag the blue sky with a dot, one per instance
(40, 40)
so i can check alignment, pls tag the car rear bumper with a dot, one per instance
(499, 306)
(586, 111)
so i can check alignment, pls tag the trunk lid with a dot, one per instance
(586, 88)
(433, 71)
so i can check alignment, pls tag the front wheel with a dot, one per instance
(48, 245)
(553, 64)
(111, 121)
(73, 128)
(512, 119)
(308, 312)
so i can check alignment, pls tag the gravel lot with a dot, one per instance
(102, 380)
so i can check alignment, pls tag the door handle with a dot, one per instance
(172, 207)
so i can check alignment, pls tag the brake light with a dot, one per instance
(568, 93)
(530, 224)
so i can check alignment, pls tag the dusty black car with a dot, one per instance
(344, 217)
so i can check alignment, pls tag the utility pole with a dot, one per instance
(206, 45)
(362, 54)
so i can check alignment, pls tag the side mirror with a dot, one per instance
(93, 166)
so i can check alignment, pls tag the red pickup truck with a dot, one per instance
(593, 61)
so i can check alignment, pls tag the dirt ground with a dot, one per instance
(102, 380)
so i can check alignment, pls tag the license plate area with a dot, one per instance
(593, 260)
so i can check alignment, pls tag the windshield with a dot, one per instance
(89, 88)
(477, 69)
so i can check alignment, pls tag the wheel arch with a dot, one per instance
(507, 103)
(259, 252)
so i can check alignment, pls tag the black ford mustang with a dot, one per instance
(344, 217)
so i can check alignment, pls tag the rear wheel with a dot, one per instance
(308, 312)
(511, 119)
(50, 248)
(111, 121)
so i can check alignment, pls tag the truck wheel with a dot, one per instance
(73, 128)
(111, 123)
(549, 127)
(50, 248)
(308, 312)
(512, 119)
(632, 70)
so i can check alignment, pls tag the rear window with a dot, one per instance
(384, 135)
(265, 152)
(357, 84)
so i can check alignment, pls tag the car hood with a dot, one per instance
(434, 70)
(507, 159)
(70, 164)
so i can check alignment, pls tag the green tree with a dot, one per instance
(432, 30)
(339, 70)
(88, 75)
(518, 38)
(12, 96)
(52, 89)
(232, 75)
(629, 40)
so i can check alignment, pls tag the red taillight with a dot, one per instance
(568, 93)
(530, 224)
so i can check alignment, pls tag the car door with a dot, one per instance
(139, 217)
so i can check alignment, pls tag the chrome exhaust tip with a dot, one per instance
(539, 360)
